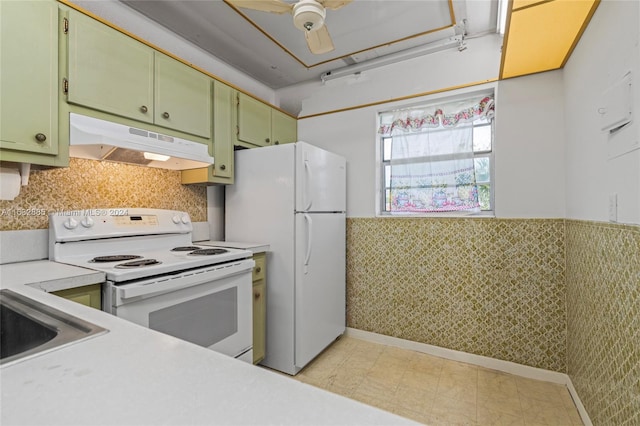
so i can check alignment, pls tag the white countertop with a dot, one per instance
(254, 247)
(136, 376)
(47, 276)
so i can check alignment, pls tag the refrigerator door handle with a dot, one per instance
(307, 199)
(307, 256)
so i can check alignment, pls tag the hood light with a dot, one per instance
(155, 157)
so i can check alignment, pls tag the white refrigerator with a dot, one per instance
(293, 197)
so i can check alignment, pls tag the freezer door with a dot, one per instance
(320, 180)
(320, 283)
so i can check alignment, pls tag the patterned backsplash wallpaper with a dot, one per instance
(88, 184)
(603, 319)
(492, 287)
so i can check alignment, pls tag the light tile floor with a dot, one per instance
(437, 391)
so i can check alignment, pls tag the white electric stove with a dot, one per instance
(158, 278)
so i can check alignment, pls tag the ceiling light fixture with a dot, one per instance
(308, 15)
(454, 41)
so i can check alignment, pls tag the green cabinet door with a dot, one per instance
(284, 129)
(90, 295)
(259, 306)
(29, 76)
(254, 121)
(109, 71)
(259, 320)
(222, 131)
(182, 97)
(221, 172)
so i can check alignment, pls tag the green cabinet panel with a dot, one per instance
(258, 124)
(89, 295)
(221, 172)
(28, 79)
(108, 70)
(259, 307)
(182, 97)
(284, 129)
(254, 121)
(223, 131)
(259, 318)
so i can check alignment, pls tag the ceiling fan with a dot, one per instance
(308, 16)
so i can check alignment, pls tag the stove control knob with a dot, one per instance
(71, 223)
(87, 222)
(185, 219)
(175, 219)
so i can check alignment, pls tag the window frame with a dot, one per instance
(381, 187)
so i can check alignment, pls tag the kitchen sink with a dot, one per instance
(28, 327)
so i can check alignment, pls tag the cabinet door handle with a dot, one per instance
(165, 114)
(144, 109)
(223, 167)
(256, 296)
(267, 140)
(277, 142)
(258, 269)
(41, 137)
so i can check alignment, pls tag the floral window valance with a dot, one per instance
(428, 156)
(417, 118)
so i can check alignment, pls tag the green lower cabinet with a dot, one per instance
(259, 307)
(90, 295)
(259, 318)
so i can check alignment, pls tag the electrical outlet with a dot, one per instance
(613, 207)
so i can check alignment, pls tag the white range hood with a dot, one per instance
(97, 139)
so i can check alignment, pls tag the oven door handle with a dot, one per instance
(187, 279)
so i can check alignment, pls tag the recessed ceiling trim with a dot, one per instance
(401, 98)
(309, 66)
(595, 5)
(505, 40)
(541, 35)
(452, 13)
(532, 4)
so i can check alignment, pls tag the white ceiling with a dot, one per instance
(269, 48)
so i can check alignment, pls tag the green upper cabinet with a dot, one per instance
(254, 121)
(114, 73)
(29, 81)
(221, 172)
(182, 97)
(258, 124)
(284, 128)
(109, 71)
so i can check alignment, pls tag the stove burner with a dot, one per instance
(185, 248)
(114, 258)
(138, 264)
(208, 252)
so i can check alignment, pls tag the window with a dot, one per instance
(438, 158)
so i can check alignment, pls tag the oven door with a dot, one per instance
(210, 306)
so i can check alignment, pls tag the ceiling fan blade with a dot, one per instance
(271, 6)
(334, 4)
(319, 41)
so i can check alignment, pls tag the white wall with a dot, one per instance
(608, 49)
(131, 20)
(529, 170)
(529, 147)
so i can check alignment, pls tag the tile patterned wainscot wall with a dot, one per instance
(603, 319)
(88, 184)
(492, 287)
